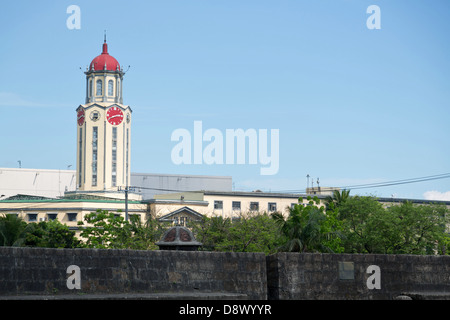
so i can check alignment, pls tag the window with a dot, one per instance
(254, 206)
(94, 155)
(80, 154)
(114, 157)
(90, 88)
(236, 205)
(218, 204)
(272, 206)
(99, 87)
(32, 217)
(72, 216)
(110, 88)
(52, 216)
(180, 221)
(126, 155)
(114, 137)
(95, 115)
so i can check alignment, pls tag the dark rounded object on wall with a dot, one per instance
(178, 238)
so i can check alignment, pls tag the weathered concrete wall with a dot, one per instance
(330, 276)
(44, 271)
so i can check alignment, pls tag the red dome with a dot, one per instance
(99, 62)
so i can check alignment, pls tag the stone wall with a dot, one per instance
(283, 276)
(353, 276)
(44, 271)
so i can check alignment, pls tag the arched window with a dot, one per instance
(99, 88)
(90, 88)
(110, 88)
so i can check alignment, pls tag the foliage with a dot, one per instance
(363, 223)
(251, 232)
(105, 230)
(13, 230)
(399, 229)
(308, 228)
(337, 199)
(50, 234)
(332, 229)
(354, 224)
(417, 229)
(145, 235)
(109, 230)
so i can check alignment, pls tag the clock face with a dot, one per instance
(114, 116)
(80, 117)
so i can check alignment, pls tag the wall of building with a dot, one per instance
(36, 182)
(152, 184)
(285, 276)
(53, 183)
(68, 211)
(248, 201)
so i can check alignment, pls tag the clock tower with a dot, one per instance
(103, 128)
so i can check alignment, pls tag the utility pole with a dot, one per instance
(126, 190)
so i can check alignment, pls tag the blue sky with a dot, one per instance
(352, 105)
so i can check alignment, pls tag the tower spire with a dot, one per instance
(105, 45)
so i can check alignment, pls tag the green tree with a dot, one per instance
(400, 229)
(337, 199)
(145, 235)
(332, 229)
(360, 215)
(417, 229)
(211, 232)
(251, 232)
(105, 230)
(50, 234)
(13, 230)
(304, 230)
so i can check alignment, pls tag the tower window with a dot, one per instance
(110, 88)
(90, 88)
(114, 157)
(127, 155)
(94, 155)
(99, 87)
(80, 154)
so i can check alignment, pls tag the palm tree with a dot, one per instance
(337, 199)
(302, 229)
(13, 230)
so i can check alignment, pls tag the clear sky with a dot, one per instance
(352, 105)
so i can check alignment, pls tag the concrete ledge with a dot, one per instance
(135, 296)
(427, 295)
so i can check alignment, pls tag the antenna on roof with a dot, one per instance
(105, 36)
